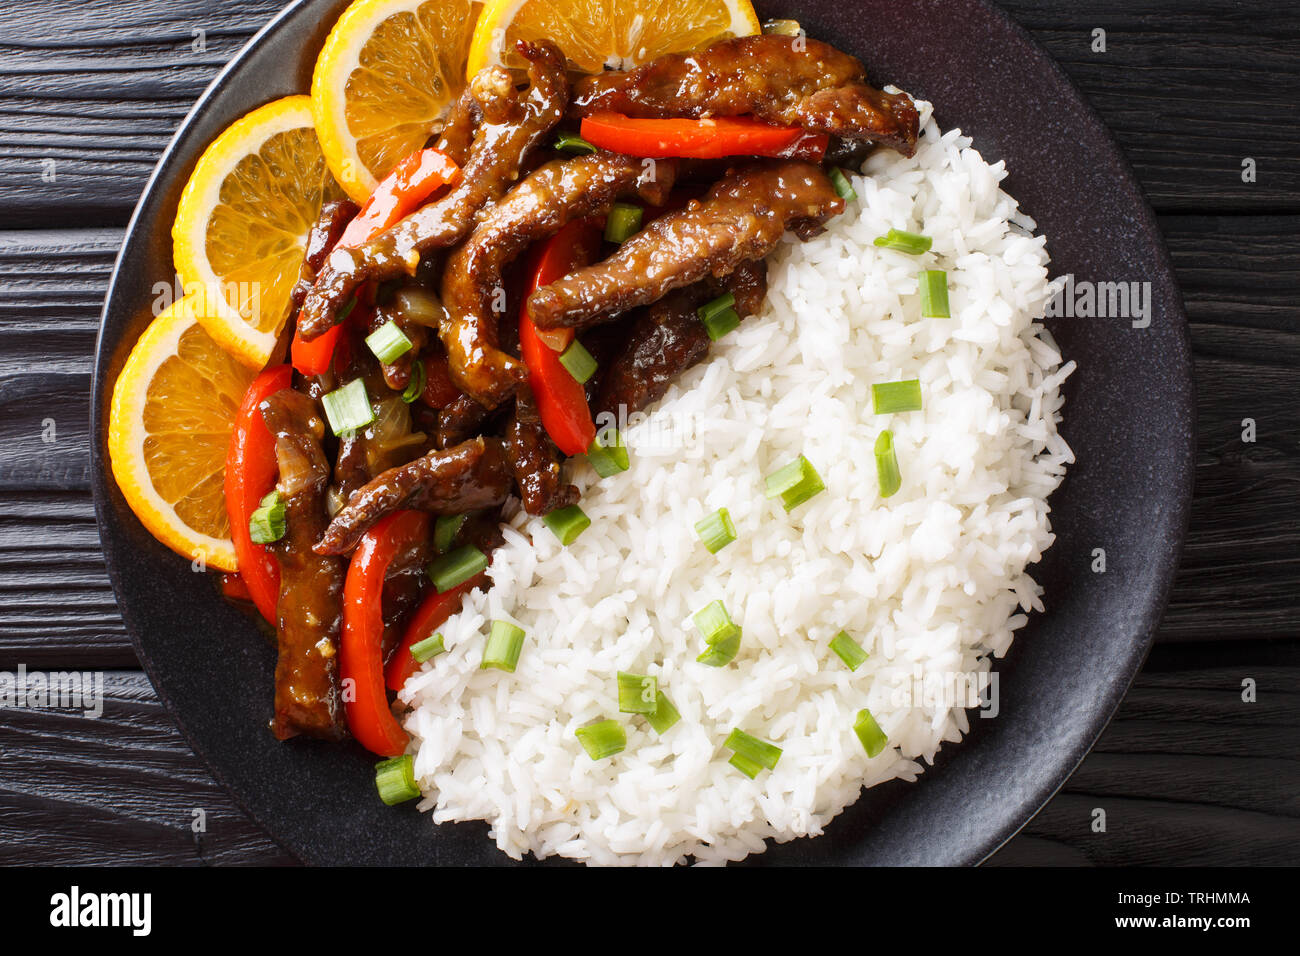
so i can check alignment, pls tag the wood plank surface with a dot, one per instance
(1187, 773)
(1190, 90)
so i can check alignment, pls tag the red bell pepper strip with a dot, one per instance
(428, 617)
(712, 138)
(251, 471)
(233, 588)
(361, 651)
(402, 191)
(561, 399)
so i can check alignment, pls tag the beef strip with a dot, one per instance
(559, 192)
(460, 420)
(667, 338)
(324, 236)
(470, 476)
(740, 219)
(309, 612)
(514, 122)
(791, 81)
(458, 132)
(534, 459)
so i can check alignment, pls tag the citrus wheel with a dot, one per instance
(386, 76)
(595, 34)
(170, 421)
(242, 224)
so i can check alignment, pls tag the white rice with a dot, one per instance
(931, 582)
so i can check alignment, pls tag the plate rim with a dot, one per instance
(1179, 502)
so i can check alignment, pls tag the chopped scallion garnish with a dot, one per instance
(603, 739)
(848, 650)
(457, 567)
(751, 748)
(348, 408)
(843, 186)
(719, 325)
(887, 472)
(267, 523)
(869, 733)
(415, 387)
(637, 693)
(503, 646)
(624, 222)
(722, 653)
(714, 623)
(890, 397)
(934, 294)
(750, 768)
(716, 306)
(795, 483)
(573, 143)
(445, 529)
(579, 362)
(664, 715)
(567, 523)
(607, 454)
(395, 780)
(388, 342)
(910, 242)
(427, 649)
(716, 530)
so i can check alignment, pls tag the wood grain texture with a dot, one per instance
(120, 788)
(1190, 91)
(1187, 773)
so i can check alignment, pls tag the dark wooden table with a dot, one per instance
(1188, 773)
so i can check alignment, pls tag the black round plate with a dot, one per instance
(1129, 418)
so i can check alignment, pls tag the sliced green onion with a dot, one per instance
(388, 342)
(267, 523)
(848, 650)
(795, 483)
(427, 649)
(934, 294)
(751, 748)
(567, 523)
(722, 653)
(887, 465)
(750, 768)
(664, 715)
(573, 143)
(395, 780)
(624, 222)
(716, 530)
(715, 623)
(457, 567)
(910, 242)
(504, 643)
(843, 186)
(637, 693)
(608, 454)
(715, 307)
(346, 310)
(603, 739)
(415, 387)
(348, 408)
(445, 529)
(889, 397)
(869, 733)
(719, 325)
(579, 362)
